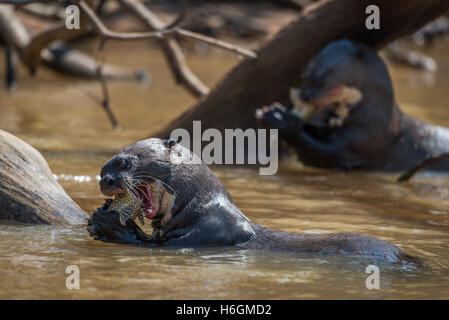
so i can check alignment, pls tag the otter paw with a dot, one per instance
(106, 226)
(278, 117)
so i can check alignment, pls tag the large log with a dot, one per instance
(254, 83)
(29, 193)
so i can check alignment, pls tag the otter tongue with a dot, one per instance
(328, 97)
(150, 208)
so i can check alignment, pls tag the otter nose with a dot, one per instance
(108, 185)
(110, 181)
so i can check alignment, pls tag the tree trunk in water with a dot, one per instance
(255, 83)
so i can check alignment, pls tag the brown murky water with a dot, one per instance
(75, 137)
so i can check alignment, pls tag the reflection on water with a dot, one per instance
(75, 137)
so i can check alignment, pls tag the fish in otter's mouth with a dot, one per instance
(333, 105)
(136, 202)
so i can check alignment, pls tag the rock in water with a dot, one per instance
(29, 193)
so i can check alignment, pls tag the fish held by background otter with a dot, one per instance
(345, 116)
(189, 207)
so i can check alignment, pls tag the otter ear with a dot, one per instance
(170, 143)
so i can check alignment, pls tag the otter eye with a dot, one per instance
(121, 163)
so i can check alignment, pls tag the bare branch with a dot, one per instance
(45, 11)
(426, 163)
(216, 42)
(105, 34)
(105, 101)
(12, 29)
(409, 57)
(85, 89)
(11, 67)
(177, 21)
(31, 53)
(172, 49)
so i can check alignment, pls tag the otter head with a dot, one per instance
(144, 171)
(341, 78)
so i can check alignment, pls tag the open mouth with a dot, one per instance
(335, 102)
(332, 96)
(148, 205)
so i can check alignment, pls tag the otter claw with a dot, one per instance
(279, 117)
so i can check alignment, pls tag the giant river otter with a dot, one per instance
(346, 116)
(190, 207)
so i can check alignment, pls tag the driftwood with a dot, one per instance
(433, 30)
(255, 83)
(11, 68)
(33, 50)
(404, 56)
(62, 58)
(29, 192)
(42, 47)
(172, 50)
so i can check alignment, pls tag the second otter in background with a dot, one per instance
(370, 132)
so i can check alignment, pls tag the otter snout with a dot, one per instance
(110, 185)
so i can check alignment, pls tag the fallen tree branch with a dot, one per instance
(31, 53)
(83, 88)
(173, 52)
(11, 68)
(12, 29)
(105, 34)
(105, 101)
(215, 42)
(62, 58)
(57, 56)
(44, 11)
(410, 58)
(426, 163)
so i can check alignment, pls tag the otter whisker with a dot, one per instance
(137, 177)
(137, 173)
(132, 191)
(143, 176)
